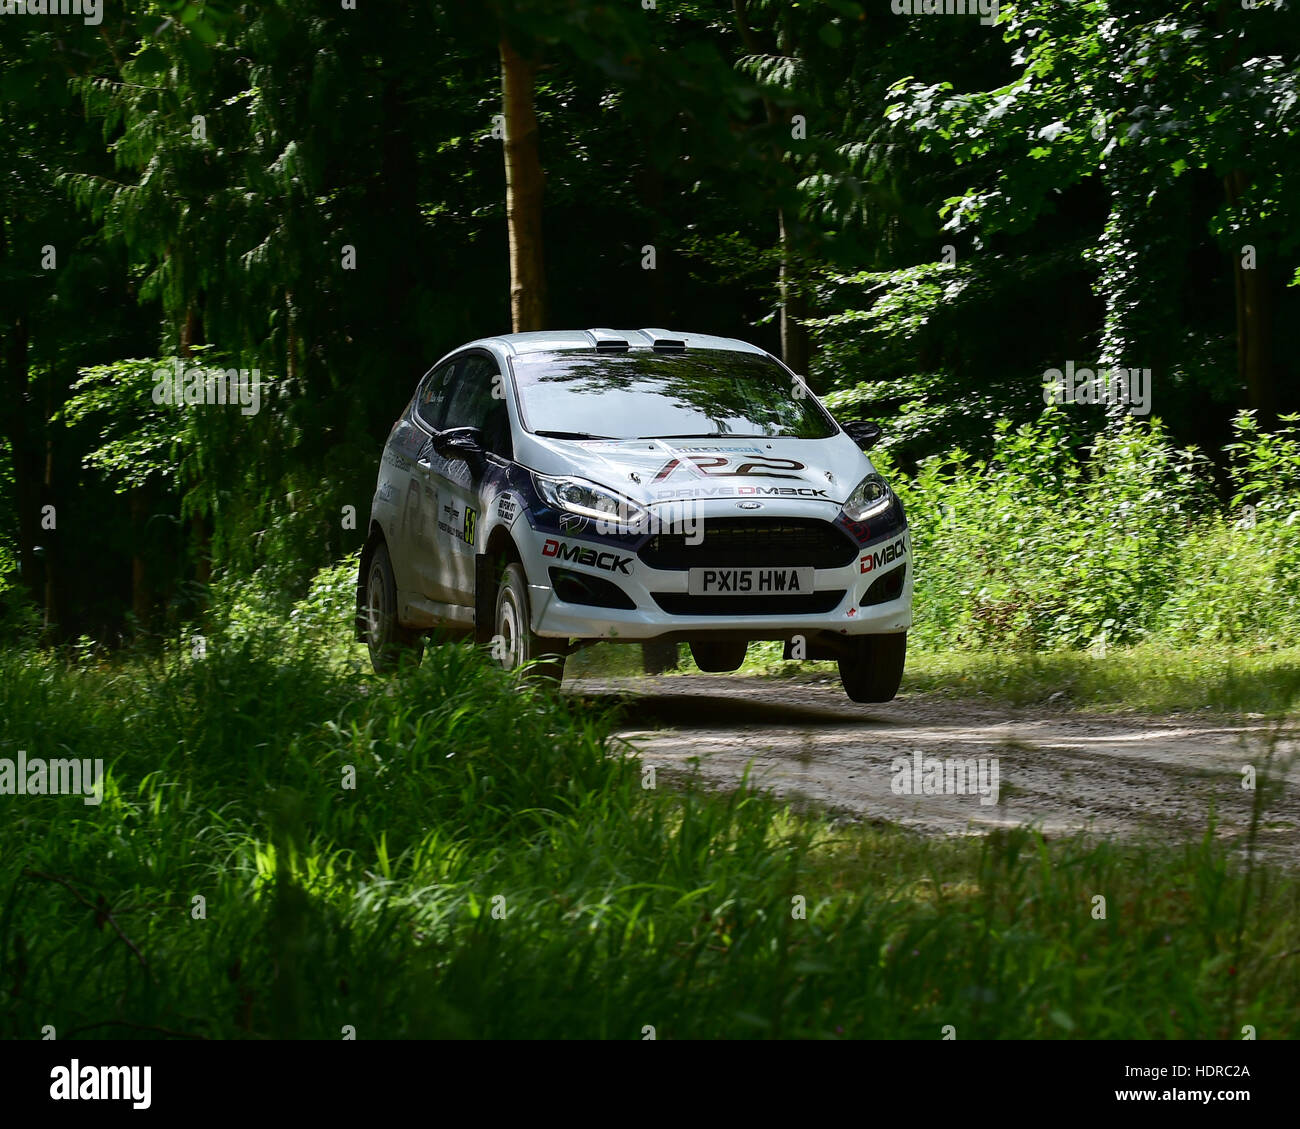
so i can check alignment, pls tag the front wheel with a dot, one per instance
(514, 644)
(874, 669)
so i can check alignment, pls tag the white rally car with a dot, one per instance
(544, 491)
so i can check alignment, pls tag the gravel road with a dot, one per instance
(1060, 769)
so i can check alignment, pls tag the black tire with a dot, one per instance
(658, 656)
(513, 643)
(387, 640)
(719, 657)
(875, 669)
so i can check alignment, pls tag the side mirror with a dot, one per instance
(464, 443)
(865, 434)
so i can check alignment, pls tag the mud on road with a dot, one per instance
(1058, 769)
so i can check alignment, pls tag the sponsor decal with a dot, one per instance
(413, 522)
(506, 508)
(756, 466)
(573, 523)
(592, 558)
(892, 552)
(458, 528)
(860, 530)
(730, 450)
(742, 492)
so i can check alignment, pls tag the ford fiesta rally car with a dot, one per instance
(543, 491)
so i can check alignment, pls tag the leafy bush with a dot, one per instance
(1038, 546)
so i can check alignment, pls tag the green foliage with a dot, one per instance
(1138, 151)
(1151, 677)
(1033, 548)
(499, 871)
(941, 351)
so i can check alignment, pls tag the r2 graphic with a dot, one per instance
(709, 466)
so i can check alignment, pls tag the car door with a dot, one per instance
(476, 398)
(423, 544)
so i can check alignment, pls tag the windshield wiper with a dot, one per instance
(701, 435)
(569, 435)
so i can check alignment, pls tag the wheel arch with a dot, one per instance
(499, 551)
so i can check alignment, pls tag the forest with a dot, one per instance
(923, 213)
(1051, 249)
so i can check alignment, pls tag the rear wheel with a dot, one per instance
(514, 644)
(719, 657)
(386, 638)
(873, 671)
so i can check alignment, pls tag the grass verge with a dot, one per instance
(287, 847)
(1149, 678)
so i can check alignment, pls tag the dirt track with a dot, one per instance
(1059, 769)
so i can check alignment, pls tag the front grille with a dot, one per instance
(788, 542)
(815, 603)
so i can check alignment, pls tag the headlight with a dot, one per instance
(871, 496)
(590, 500)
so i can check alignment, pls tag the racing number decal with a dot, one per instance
(759, 466)
(471, 522)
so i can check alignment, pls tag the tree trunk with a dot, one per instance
(795, 350)
(1254, 324)
(524, 181)
(141, 595)
(794, 306)
(200, 531)
(51, 538)
(26, 458)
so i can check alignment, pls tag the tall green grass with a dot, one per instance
(500, 870)
(1057, 541)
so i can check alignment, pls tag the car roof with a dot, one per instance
(584, 340)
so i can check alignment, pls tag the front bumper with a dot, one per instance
(664, 607)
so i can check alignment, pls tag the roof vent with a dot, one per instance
(662, 342)
(607, 341)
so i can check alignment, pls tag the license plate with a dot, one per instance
(749, 581)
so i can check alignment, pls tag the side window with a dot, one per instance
(472, 403)
(432, 394)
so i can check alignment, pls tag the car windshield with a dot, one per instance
(645, 395)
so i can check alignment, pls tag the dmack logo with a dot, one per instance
(885, 556)
(609, 562)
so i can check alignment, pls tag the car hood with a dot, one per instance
(657, 470)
